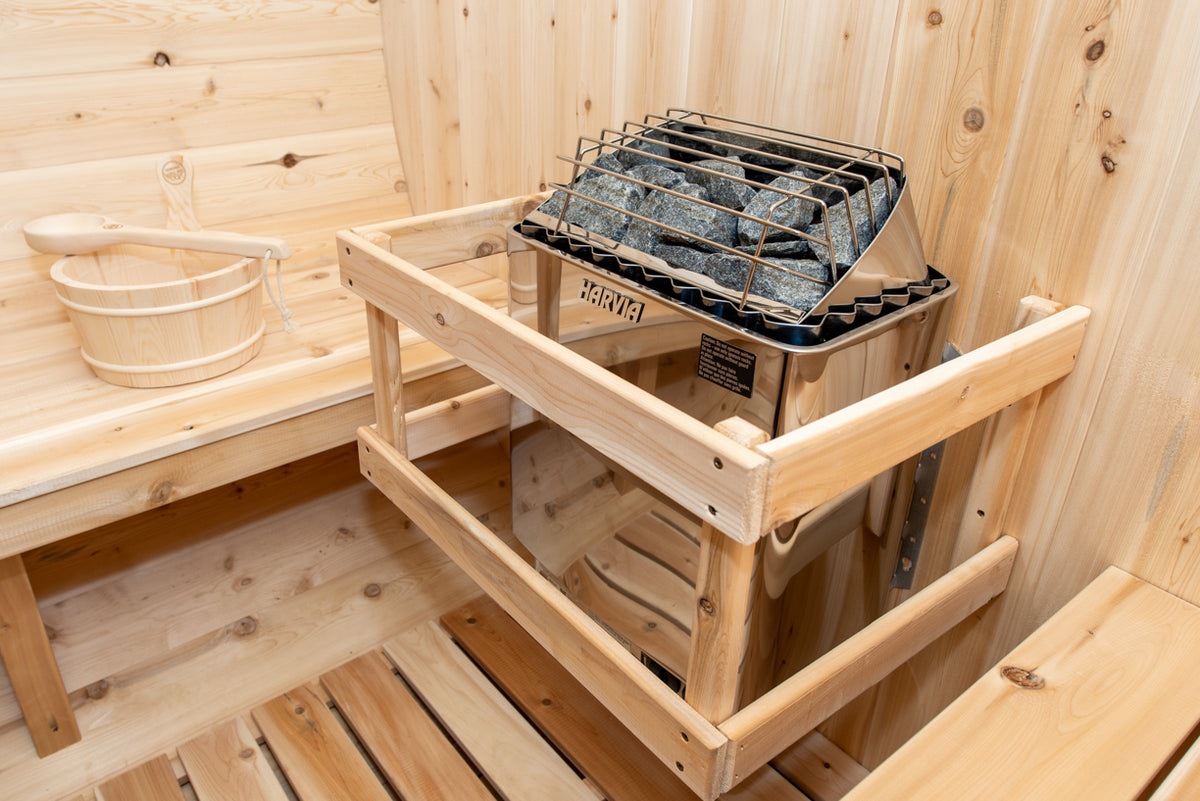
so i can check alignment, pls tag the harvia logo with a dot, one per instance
(602, 297)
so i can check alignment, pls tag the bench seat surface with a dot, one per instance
(1091, 705)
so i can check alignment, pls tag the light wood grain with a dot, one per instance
(817, 766)
(32, 671)
(151, 781)
(57, 450)
(384, 338)
(318, 757)
(144, 710)
(1110, 700)
(592, 738)
(498, 739)
(678, 734)
(173, 576)
(232, 182)
(597, 406)
(47, 42)
(832, 454)
(134, 111)
(225, 763)
(723, 603)
(781, 717)
(422, 765)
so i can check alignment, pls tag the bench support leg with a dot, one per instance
(32, 670)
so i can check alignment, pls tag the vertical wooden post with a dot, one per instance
(383, 337)
(725, 591)
(1000, 455)
(32, 670)
(549, 284)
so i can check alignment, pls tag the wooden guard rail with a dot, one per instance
(738, 486)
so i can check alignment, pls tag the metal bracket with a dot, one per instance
(924, 483)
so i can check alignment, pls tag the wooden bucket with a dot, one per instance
(150, 317)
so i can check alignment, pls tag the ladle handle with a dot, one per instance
(211, 241)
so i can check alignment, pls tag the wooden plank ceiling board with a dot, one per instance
(151, 781)
(407, 746)
(225, 764)
(319, 759)
(501, 743)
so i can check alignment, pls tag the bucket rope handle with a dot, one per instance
(288, 324)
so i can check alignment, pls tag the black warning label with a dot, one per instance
(726, 365)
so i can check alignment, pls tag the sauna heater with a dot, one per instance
(733, 270)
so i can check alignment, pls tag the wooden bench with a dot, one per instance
(77, 453)
(1091, 705)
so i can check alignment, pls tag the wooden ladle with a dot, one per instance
(87, 233)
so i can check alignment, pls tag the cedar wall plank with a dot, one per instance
(121, 113)
(50, 37)
(232, 182)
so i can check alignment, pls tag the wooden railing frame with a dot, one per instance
(739, 487)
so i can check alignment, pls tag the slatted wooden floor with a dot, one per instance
(469, 708)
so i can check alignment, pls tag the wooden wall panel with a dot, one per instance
(122, 113)
(1090, 177)
(61, 37)
(281, 107)
(488, 94)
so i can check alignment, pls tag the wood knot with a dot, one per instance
(707, 606)
(973, 119)
(935, 18)
(1094, 50)
(372, 590)
(97, 690)
(289, 160)
(161, 59)
(1025, 679)
(439, 319)
(246, 753)
(245, 627)
(160, 493)
(1106, 161)
(587, 104)
(484, 249)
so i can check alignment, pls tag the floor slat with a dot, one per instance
(149, 781)
(515, 758)
(409, 748)
(225, 763)
(319, 759)
(602, 748)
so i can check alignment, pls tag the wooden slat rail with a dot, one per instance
(1091, 705)
(742, 492)
(716, 474)
(712, 476)
(643, 703)
(828, 456)
(764, 728)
